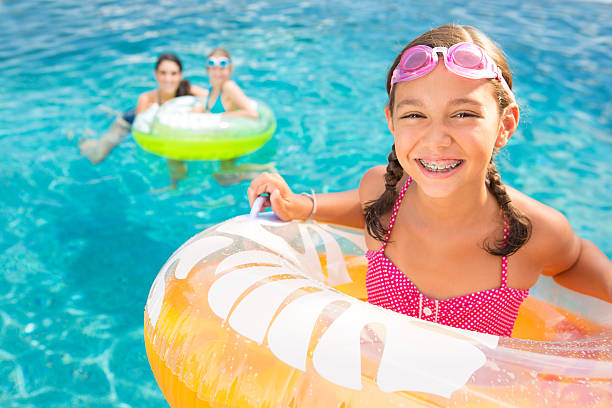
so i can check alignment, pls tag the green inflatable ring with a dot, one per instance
(173, 131)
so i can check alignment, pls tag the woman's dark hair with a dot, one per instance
(184, 87)
(519, 225)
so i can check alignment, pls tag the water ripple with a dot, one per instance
(81, 243)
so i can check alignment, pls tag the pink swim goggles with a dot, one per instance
(464, 59)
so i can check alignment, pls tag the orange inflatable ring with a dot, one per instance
(260, 313)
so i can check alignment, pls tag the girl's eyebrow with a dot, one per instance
(410, 101)
(464, 101)
(453, 102)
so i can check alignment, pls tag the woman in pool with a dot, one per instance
(447, 241)
(227, 98)
(169, 76)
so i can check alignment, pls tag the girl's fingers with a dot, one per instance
(276, 188)
(257, 191)
(275, 198)
(250, 194)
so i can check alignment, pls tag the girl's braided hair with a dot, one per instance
(519, 225)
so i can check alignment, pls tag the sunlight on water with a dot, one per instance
(81, 244)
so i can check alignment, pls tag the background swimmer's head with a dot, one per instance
(169, 75)
(219, 74)
(169, 57)
(449, 35)
(219, 52)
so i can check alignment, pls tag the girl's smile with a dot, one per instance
(218, 75)
(439, 168)
(445, 130)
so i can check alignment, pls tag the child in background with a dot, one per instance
(226, 97)
(447, 241)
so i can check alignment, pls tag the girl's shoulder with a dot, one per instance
(553, 242)
(230, 87)
(372, 184)
(544, 219)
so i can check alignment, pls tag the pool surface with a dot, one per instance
(80, 245)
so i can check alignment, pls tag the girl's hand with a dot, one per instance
(199, 108)
(285, 203)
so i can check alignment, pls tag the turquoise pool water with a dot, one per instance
(80, 245)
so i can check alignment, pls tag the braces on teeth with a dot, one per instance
(443, 167)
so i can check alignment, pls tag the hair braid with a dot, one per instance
(518, 224)
(375, 209)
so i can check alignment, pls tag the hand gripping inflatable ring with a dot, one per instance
(173, 131)
(254, 312)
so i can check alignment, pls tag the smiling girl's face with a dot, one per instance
(445, 128)
(218, 74)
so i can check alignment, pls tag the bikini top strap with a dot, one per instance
(208, 99)
(394, 213)
(504, 268)
(159, 100)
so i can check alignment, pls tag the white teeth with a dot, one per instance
(440, 167)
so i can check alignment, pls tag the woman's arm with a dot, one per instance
(339, 208)
(144, 102)
(198, 91)
(239, 100)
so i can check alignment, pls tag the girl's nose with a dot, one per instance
(437, 136)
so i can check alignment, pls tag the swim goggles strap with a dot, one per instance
(314, 204)
(464, 59)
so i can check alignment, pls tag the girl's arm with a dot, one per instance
(572, 262)
(591, 274)
(339, 208)
(239, 99)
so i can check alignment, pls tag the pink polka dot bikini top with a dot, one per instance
(492, 311)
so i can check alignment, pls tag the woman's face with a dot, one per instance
(168, 75)
(218, 74)
(445, 129)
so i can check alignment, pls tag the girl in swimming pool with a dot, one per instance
(169, 76)
(447, 241)
(226, 97)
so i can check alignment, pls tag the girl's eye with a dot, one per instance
(412, 115)
(462, 115)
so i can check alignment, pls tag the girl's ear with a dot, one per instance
(389, 118)
(507, 125)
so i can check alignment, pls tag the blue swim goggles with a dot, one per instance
(218, 62)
